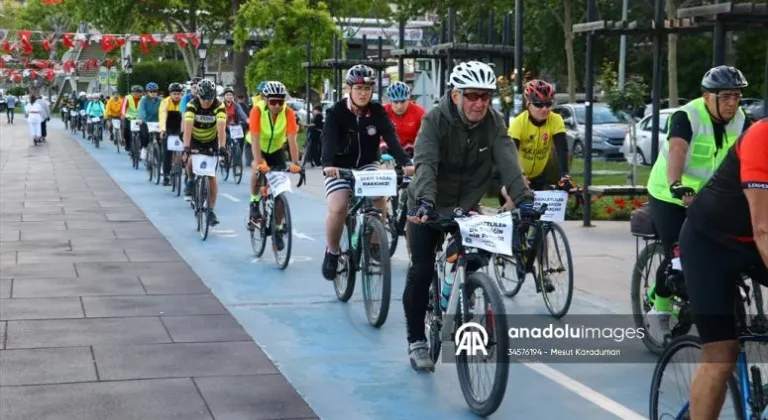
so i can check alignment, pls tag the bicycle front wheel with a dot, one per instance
(377, 272)
(259, 236)
(488, 310)
(237, 164)
(683, 351)
(552, 261)
(282, 234)
(203, 207)
(157, 162)
(344, 282)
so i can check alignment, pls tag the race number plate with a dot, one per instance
(153, 127)
(204, 165)
(279, 182)
(236, 131)
(381, 183)
(135, 126)
(175, 144)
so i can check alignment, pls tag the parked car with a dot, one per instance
(299, 107)
(643, 131)
(755, 108)
(608, 130)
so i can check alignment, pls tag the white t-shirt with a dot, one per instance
(34, 113)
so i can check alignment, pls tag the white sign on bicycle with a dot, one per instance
(153, 127)
(175, 144)
(381, 183)
(236, 131)
(82, 112)
(95, 119)
(135, 127)
(204, 165)
(73, 113)
(116, 123)
(491, 233)
(279, 182)
(556, 202)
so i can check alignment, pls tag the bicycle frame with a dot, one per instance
(457, 292)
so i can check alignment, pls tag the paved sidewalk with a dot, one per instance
(99, 316)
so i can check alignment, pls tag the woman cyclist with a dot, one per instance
(406, 116)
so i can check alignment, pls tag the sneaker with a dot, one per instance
(188, 190)
(658, 324)
(166, 181)
(418, 352)
(212, 219)
(548, 286)
(143, 155)
(330, 265)
(254, 215)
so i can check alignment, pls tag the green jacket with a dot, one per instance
(454, 163)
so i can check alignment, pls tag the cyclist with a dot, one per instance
(205, 122)
(537, 132)
(700, 134)
(114, 105)
(459, 143)
(94, 109)
(149, 108)
(725, 235)
(191, 94)
(235, 113)
(350, 139)
(406, 116)
(272, 122)
(130, 112)
(169, 121)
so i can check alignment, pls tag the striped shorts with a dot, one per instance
(337, 184)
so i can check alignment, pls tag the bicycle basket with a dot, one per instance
(641, 223)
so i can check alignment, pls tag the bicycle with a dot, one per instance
(73, 116)
(135, 143)
(670, 271)
(116, 132)
(531, 254)
(234, 156)
(458, 274)
(175, 145)
(96, 130)
(154, 161)
(745, 388)
(273, 202)
(363, 227)
(204, 165)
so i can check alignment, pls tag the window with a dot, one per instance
(600, 115)
(564, 112)
(646, 124)
(663, 122)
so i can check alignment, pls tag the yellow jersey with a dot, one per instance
(536, 142)
(205, 120)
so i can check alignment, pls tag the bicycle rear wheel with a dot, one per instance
(97, 135)
(282, 234)
(204, 223)
(564, 262)
(157, 163)
(237, 164)
(643, 277)
(391, 228)
(344, 282)
(135, 150)
(224, 165)
(498, 344)
(259, 236)
(678, 346)
(372, 257)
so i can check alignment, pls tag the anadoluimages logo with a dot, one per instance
(471, 338)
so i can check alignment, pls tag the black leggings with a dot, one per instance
(668, 219)
(712, 269)
(422, 241)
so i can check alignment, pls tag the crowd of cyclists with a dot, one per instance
(708, 189)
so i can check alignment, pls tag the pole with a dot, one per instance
(308, 91)
(589, 97)
(623, 46)
(380, 70)
(335, 72)
(519, 52)
(364, 48)
(202, 61)
(401, 47)
(718, 42)
(658, 18)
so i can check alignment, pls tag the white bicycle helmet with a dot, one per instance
(473, 75)
(274, 89)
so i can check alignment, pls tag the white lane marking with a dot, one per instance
(223, 231)
(230, 197)
(585, 392)
(294, 259)
(300, 235)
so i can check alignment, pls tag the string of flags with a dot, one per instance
(16, 70)
(25, 40)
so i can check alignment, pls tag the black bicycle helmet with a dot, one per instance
(175, 87)
(723, 78)
(206, 89)
(360, 74)
(228, 89)
(137, 89)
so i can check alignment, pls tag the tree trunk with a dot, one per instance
(568, 31)
(240, 59)
(671, 7)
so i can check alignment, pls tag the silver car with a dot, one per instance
(608, 130)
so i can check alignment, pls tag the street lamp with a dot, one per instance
(251, 51)
(202, 52)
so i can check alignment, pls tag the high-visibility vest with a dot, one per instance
(703, 157)
(132, 110)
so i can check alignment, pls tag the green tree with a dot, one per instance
(54, 18)
(161, 72)
(9, 14)
(171, 16)
(290, 27)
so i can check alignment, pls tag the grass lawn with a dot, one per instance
(603, 173)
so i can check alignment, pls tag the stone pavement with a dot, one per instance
(99, 316)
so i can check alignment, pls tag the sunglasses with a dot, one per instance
(276, 101)
(542, 104)
(152, 91)
(398, 102)
(474, 96)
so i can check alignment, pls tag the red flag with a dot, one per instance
(69, 66)
(24, 37)
(108, 63)
(49, 75)
(7, 46)
(108, 43)
(181, 40)
(66, 40)
(144, 39)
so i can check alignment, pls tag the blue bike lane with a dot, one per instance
(344, 368)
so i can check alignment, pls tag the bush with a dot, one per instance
(16, 91)
(161, 72)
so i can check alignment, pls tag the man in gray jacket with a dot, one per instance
(457, 147)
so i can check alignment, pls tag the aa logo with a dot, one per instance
(471, 338)
(203, 164)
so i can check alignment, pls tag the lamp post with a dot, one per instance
(202, 52)
(128, 69)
